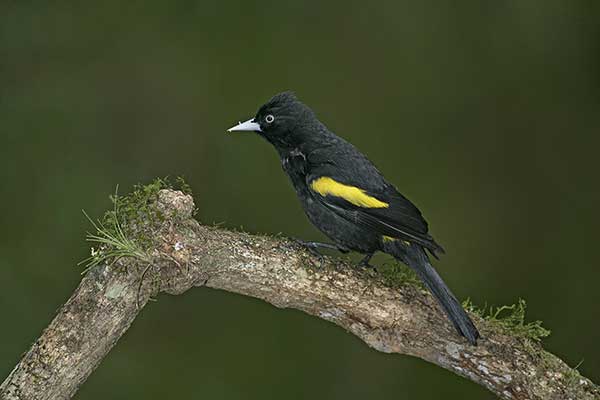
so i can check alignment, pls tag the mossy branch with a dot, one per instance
(149, 243)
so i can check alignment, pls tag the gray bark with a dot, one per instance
(403, 320)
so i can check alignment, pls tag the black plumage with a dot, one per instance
(348, 199)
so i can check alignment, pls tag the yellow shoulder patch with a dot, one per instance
(327, 186)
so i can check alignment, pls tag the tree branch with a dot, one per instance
(403, 320)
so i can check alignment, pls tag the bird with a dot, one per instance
(345, 196)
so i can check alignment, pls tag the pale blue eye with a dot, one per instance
(269, 118)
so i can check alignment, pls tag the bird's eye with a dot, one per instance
(269, 118)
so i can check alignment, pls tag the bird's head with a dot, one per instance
(284, 121)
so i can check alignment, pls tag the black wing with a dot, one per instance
(399, 218)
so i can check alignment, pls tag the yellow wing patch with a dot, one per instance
(327, 186)
(391, 239)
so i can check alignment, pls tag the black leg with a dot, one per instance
(343, 249)
(319, 245)
(365, 261)
(313, 248)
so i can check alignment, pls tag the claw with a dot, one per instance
(313, 248)
(365, 262)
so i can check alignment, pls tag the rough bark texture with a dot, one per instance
(402, 320)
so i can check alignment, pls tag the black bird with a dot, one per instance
(347, 198)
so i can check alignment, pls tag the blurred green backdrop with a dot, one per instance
(486, 114)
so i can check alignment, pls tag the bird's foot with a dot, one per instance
(318, 245)
(365, 262)
(313, 248)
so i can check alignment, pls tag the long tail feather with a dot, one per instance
(416, 258)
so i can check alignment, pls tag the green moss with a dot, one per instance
(126, 230)
(132, 211)
(391, 274)
(572, 375)
(510, 319)
(396, 275)
(507, 319)
(182, 185)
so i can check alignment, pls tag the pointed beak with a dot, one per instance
(249, 125)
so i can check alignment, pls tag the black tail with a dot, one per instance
(416, 258)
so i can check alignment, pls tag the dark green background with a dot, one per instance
(486, 114)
